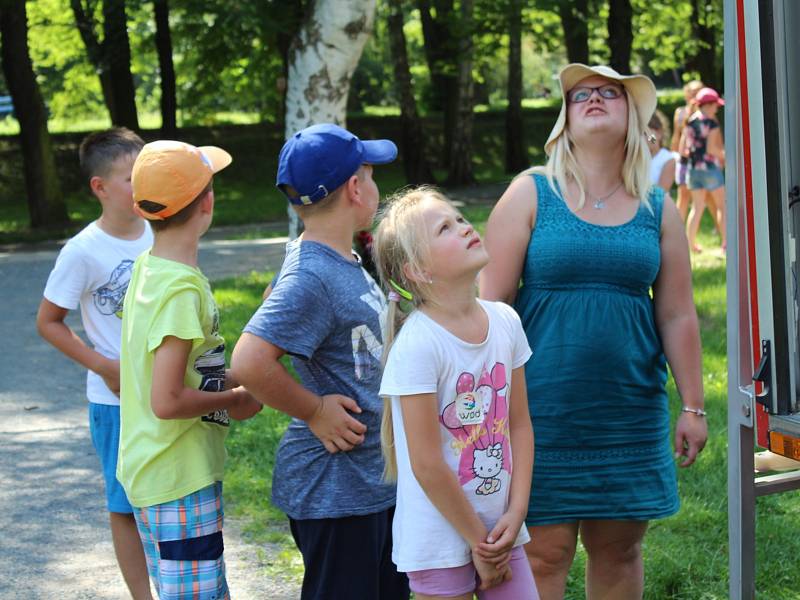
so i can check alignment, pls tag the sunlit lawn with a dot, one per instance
(245, 191)
(686, 556)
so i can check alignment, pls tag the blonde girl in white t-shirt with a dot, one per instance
(456, 409)
(662, 161)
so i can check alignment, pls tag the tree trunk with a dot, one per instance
(111, 58)
(620, 34)
(85, 22)
(441, 53)
(516, 158)
(118, 57)
(45, 202)
(322, 60)
(412, 142)
(575, 23)
(287, 31)
(460, 157)
(704, 61)
(169, 104)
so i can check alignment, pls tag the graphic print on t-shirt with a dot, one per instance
(367, 344)
(109, 296)
(478, 421)
(211, 366)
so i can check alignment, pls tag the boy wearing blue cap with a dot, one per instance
(327, 313)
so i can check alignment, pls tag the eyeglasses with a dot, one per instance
(609, 91)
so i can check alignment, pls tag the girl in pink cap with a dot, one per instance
(702, 143)
(679, 119)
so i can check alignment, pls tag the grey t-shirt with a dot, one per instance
(328, 314)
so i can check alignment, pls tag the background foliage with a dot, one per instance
(228, 61)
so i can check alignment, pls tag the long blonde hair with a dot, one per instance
(562, 165)
(400, 245)
(692, 87)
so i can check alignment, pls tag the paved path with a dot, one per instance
(55, 541)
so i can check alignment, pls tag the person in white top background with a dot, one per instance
(92, 272)
(662, 163)
(455, 418)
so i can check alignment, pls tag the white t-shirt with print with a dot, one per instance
(472, 383)
(657, 162)
(92, 271)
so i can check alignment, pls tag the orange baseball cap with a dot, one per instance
(172, 174)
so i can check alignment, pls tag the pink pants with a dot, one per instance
(457, 581)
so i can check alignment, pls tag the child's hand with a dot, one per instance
(245, 407)
(334, 426)
(108, 369)
(497, 547)
(490, 574)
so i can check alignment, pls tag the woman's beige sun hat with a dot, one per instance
(640, 88)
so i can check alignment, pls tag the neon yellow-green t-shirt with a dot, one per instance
(165, 459)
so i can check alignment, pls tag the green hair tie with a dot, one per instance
(404, 293)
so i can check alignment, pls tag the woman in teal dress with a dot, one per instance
(595, 261)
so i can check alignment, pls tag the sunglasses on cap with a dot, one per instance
(582, 93)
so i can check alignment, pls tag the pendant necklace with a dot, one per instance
(600, 203)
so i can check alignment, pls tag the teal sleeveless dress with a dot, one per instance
(596, 378)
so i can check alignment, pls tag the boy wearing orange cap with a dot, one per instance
(176, 398)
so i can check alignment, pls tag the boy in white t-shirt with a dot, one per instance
(92, 271)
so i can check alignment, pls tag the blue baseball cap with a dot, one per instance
(319, 159)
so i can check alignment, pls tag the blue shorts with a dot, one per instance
(104, 427)
(709, 178)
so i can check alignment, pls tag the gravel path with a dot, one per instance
(55, 537)
(55, 541)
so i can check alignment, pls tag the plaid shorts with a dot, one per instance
(182, 542)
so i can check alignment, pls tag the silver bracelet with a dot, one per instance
(695, 411)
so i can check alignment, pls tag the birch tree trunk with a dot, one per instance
(322, 59)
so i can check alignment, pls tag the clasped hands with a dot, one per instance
(491, 557)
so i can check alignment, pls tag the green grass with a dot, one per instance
(147, 120)
(245, 191)
(252, 444)
(686, 556)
